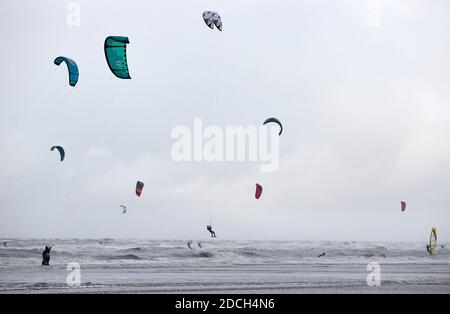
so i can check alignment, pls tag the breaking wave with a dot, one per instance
(109, 252)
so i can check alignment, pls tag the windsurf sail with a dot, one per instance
(433, 241)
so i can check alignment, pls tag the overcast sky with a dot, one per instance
(365, 110)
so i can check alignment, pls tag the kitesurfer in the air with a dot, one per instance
(46, 256)
(209, 228)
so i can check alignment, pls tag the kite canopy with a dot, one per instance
(258, 191)
(275, 120)
(116, 55)
(212, 18)
(62, 154)
(124, 209)
(139, 187)
(71, 67)
(403, 204)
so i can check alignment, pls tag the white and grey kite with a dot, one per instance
(212, 18)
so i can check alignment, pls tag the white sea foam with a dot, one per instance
(109, 265)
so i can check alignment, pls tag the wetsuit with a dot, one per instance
(213, 234)
(46, 256)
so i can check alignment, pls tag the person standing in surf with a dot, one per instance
(46, 256)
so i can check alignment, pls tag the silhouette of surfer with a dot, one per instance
(320, 255)
(189, 244)
(46, 255)
(209, 228)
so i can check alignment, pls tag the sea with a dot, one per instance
(221, 266)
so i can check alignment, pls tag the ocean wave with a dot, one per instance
(132, 249)
(154, 253)
(118, 257)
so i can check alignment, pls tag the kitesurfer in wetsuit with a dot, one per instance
(46, 255)
(189, 244)
(429, 249)
(209, 228)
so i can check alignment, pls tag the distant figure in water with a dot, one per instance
(46, 255)
(213, 234)
(4, 243)
(323, 254)
(189, 244)
(199, 245)
(429, 249)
